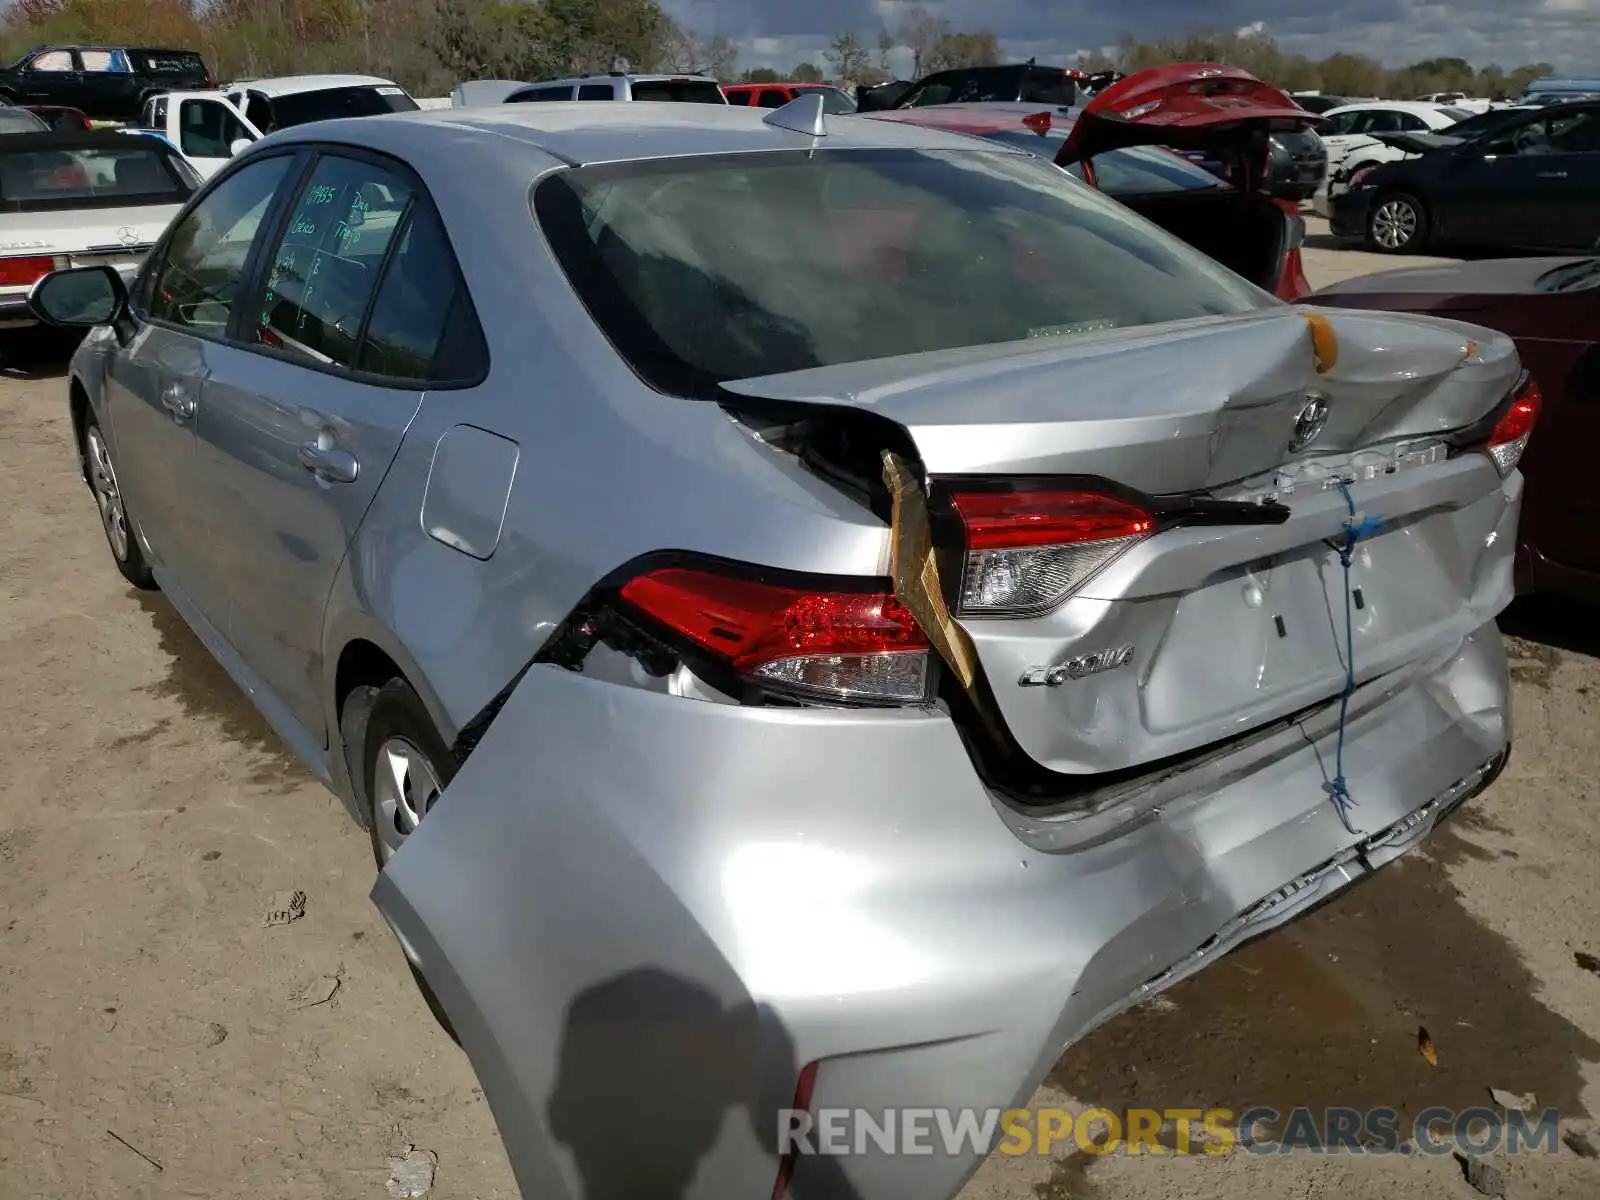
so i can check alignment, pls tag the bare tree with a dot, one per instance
(921, 31)
(847, 56)
(885, 49)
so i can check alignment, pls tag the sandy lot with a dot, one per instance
(159, 1038)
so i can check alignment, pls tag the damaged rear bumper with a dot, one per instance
(645, 915)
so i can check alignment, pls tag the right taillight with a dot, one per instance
(1511, 431)
(856, 646)
(1026, 551)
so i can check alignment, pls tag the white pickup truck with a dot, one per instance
(211, 127)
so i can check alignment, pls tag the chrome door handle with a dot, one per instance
(326, 462)
(1551, 175)
(176, 399)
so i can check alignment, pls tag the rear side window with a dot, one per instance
(596, 91)
(104, 61)
(324, 269)
(1043, 85)
(423, 327)
(168, 62)
(771, 98)
(683, 91)
(709, 269)
(536, 95)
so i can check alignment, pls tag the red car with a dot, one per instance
(60, 118)
(1551, 308)
(776, 95)
(1119, 142)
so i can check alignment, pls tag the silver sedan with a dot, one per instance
(816, 614)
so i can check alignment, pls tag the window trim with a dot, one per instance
(253, 287)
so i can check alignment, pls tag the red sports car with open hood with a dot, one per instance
(1123, 142)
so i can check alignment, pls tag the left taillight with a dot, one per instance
(1511, 432)
(25, 270)
(853, 645)
(1026, 551)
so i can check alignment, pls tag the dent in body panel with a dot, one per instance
(469, 485)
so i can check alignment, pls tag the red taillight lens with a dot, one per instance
(853, 646)
(1511, 431)
(1039, 122)
(1027, 551)
(25, 271)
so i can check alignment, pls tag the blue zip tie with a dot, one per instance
(1354, 531)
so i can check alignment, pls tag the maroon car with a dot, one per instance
(1551, 308)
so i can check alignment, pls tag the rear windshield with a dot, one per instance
(41, 179)
(834, 102)
(1131, 171)
(167, 62)
(708, 269)
(327, 103)
(691, 91)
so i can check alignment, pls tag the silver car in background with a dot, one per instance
(814, 612)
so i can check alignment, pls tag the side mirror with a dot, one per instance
(79, 298)
(240, 145)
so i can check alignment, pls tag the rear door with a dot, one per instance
(304, 416)
(108, 88)
(1515, 188)
(51, 77)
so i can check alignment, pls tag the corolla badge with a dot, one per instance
(128, 235)
(1308, 425)
(1077, 668)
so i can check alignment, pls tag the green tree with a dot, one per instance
(806, 72)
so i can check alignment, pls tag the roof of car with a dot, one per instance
(292, 85)
(593, 133)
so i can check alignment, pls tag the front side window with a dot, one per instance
(208, 129)
(52, 60)
(539, 95)
(710, 269)
(1411, 123)
(197, 279)
(325, 267)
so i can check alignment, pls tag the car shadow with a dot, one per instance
(650, 1064)
(37, 353)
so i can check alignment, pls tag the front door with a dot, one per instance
(156, 393)
(52, 77)
(302, 427)
(205, 129)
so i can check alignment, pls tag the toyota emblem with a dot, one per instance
(128, 235)
(1308, 425)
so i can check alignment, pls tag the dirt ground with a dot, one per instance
(159, 1038)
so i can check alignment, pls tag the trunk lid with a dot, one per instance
(1210, 629)
(1188, 106)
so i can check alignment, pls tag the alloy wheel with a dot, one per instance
(404, 787)
(103, 479)
(1394, 224)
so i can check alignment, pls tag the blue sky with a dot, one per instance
(1510, 32)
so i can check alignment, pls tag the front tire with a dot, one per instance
(1398, 225)
(403, 767)
(114, 520)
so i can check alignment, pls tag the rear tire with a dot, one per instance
(399, 764)
(114, 519)
(1398, 224)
